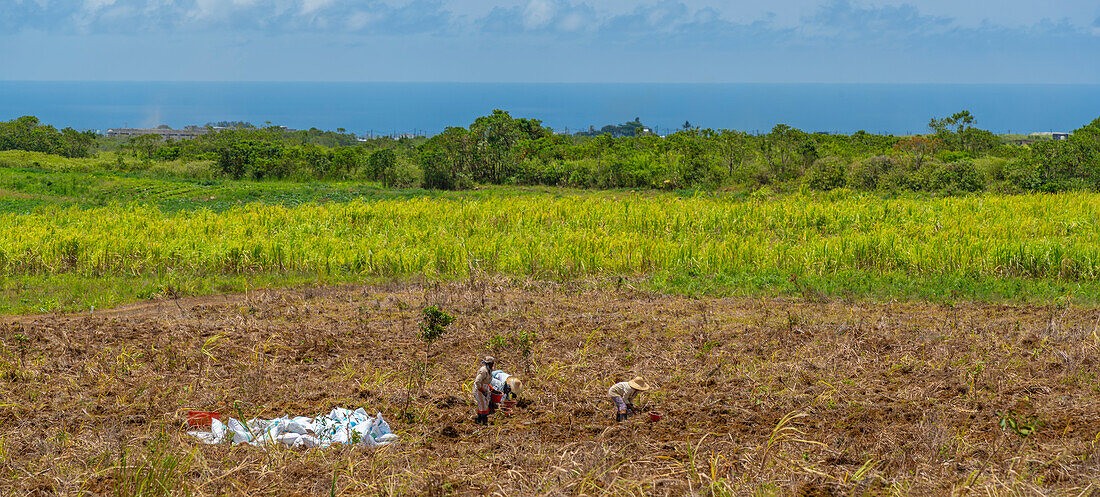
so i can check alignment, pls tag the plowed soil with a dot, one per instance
(763, 396)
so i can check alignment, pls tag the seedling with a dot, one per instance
(432, 327)
(22, 341)
(1022, 427)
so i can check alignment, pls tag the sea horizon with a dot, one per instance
(425, 108)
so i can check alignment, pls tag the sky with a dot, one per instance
(793, 41)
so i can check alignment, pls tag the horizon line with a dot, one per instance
(549, 82)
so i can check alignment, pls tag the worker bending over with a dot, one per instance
(507, 384)
(483, 390)
(622, 394)
(503, 385)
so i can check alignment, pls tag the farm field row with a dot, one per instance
(987, 247)
(760, 396)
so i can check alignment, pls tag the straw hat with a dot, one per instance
(516, 384)
(488, 360)
(639, 384)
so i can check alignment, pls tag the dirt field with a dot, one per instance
(759, 396)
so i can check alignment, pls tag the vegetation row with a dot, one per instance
(954, 157)
(840, 238)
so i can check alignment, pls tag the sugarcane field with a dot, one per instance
(742, 395)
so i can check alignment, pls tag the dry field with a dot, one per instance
(761, 396)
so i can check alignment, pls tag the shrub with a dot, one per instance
(960, 176)
(826, 174)
(379, 162)
(438, 176)
(402, 174)
(869, 173)
(953, 156)
(901, 179)
(991, 168)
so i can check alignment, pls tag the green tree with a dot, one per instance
(497, 140)
(143, 146)
(958, 133)
(734, 148)
(27, 133)
(446, 159)
(380, 161)
(781, 150)
(319, 159)
(346, 160)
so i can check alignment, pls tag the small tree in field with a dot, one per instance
(432, 327)
(919, 148)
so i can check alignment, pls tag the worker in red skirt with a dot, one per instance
(483, 390)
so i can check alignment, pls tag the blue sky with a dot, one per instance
(882, 41)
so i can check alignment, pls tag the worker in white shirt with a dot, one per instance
(622, 394)
(508, 386)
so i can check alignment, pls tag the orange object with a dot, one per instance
(508, 403)
(201, 419)
(655, 416)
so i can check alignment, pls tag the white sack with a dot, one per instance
(338, 426)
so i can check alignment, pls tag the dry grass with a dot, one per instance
(760, 396)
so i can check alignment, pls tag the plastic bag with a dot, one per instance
(338, 426)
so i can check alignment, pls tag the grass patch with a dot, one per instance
(73, 240)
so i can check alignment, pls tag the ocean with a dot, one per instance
(427, 108)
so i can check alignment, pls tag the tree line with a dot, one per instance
(26, 133)
(954, 156)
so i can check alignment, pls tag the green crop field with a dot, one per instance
(67, 242)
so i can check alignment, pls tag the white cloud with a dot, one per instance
(698, 21)
(538, 14)
(359, 20)
(572, 21)
(309, 6)
(92, 5)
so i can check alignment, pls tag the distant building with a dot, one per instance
(1059, 136)
(165, 133)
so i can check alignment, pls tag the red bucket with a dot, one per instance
(201, 419)
(655, 416)
(495, 398)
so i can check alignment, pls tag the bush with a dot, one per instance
(953, 156)
(439, 176)
(533, 171)
(901, 179)
(258, 159)
(992, 168)
(379, 162)
(26, 133)
(402, 174)
(265, 167)
(868, 173)
(826, 174)
(960, 176)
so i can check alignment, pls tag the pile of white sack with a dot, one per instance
(341, 426)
